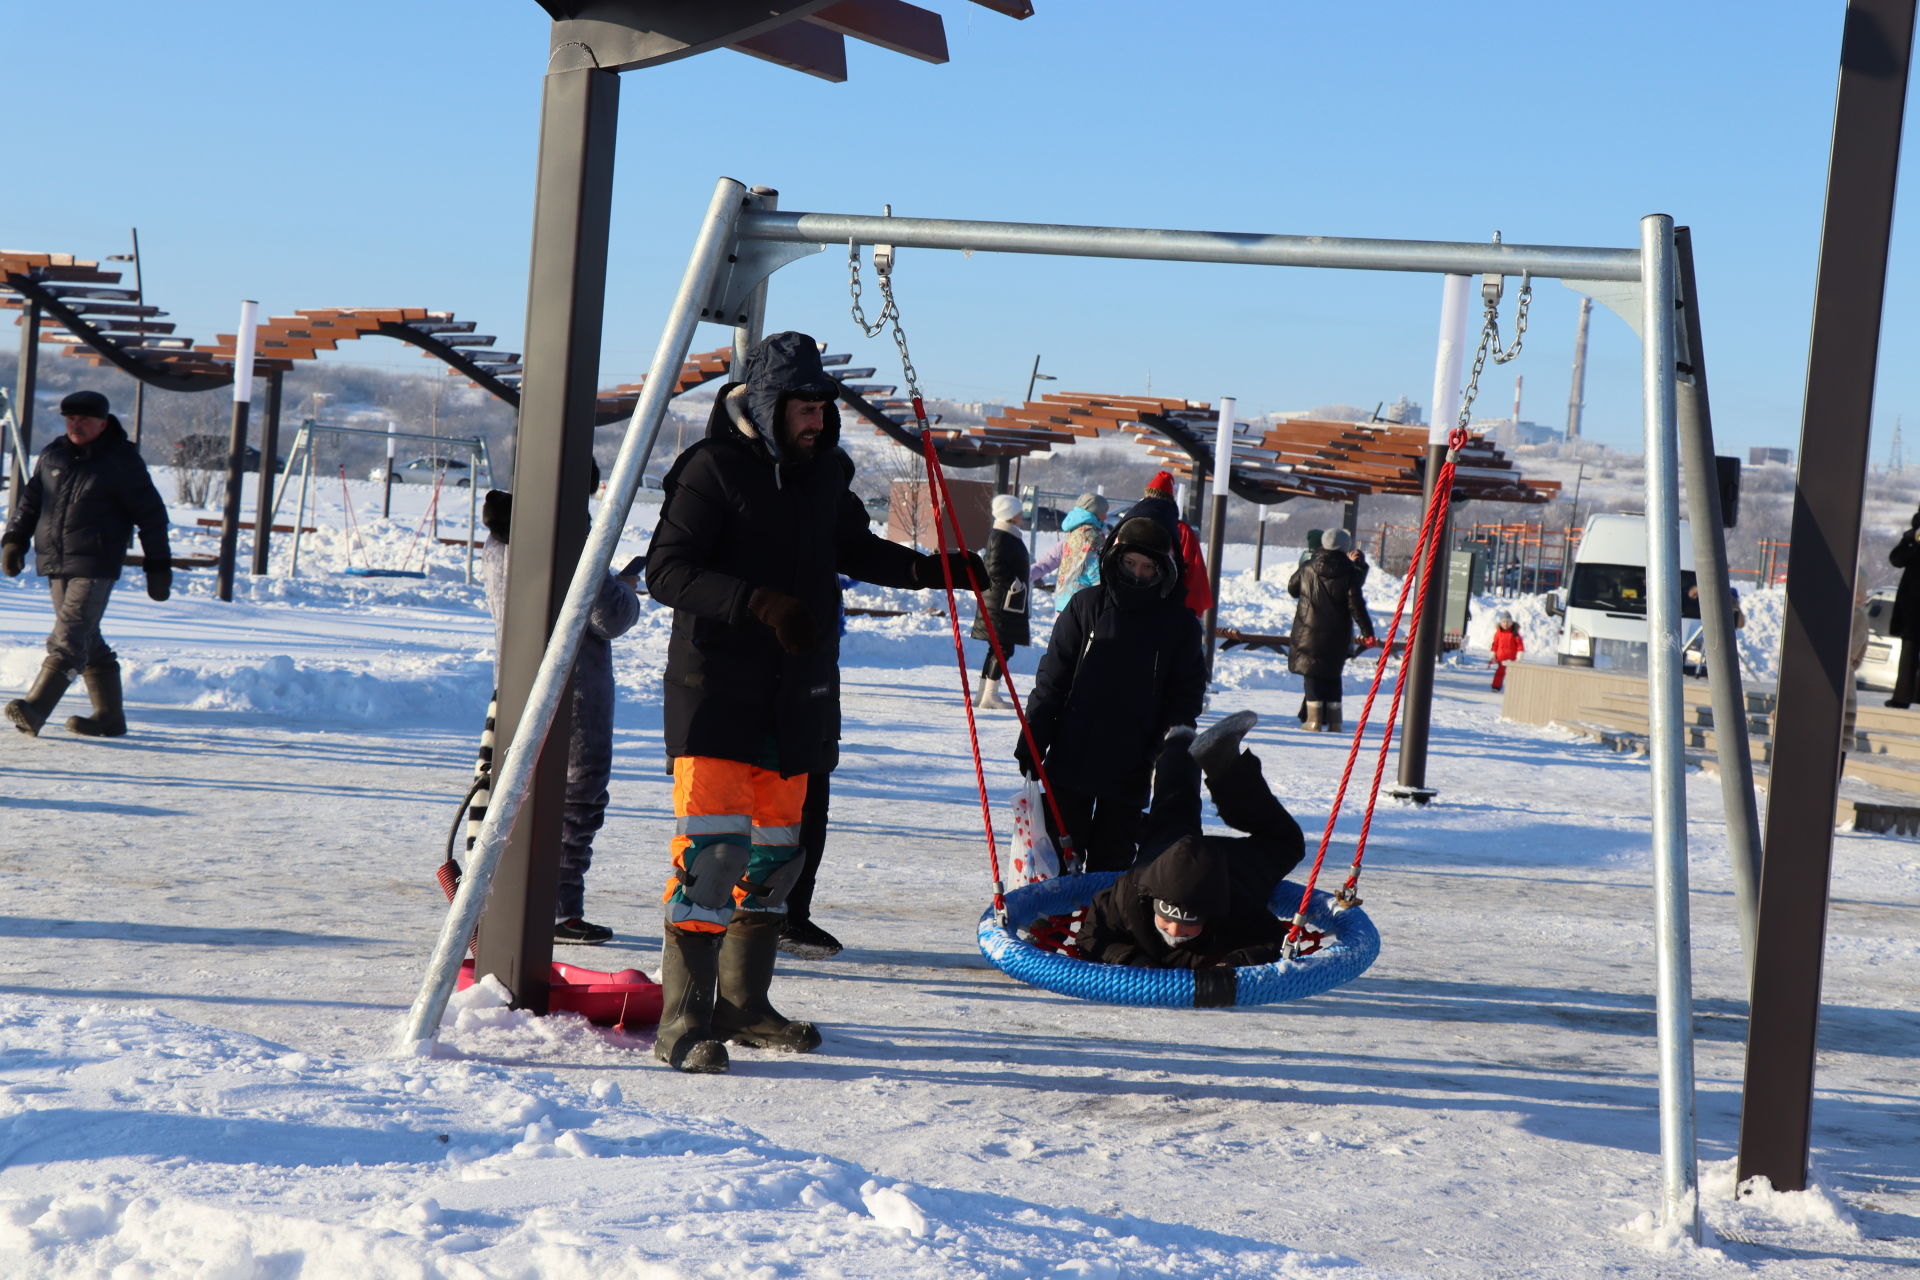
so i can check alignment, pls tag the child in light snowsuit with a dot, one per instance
(1507, 646)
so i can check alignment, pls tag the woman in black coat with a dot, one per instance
(1123, 666)
(1007, 594)
(1328, 589)
(1905, 621)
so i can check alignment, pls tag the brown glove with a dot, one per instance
(13, 558)
(788, 618)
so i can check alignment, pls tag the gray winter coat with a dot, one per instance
(590, 747)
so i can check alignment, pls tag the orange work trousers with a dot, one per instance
(736, 841)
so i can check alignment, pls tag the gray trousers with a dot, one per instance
(78, 605)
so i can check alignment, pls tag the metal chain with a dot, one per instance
(1490, 344)
(887, 311)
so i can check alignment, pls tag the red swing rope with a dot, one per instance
(1424, 555)
(431, 517)
(353, 523)
(943, 517)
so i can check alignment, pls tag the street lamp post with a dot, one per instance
(1035, 376)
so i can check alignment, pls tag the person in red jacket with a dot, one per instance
(1507, 646)
(1197, 595)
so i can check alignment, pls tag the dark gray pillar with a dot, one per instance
(230, 509)
(1423, 651)
(23, 393)
(263, 492)
(1776, 1112)
(566, 293)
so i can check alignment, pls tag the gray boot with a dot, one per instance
(109, 718)
(1316, 711)
(30, 712)
(1330, 717)
(743, 1014)
(689, 973)
(1218, 747)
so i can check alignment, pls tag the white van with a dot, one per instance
(1603, 612)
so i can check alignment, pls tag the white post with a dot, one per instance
(1446, 361)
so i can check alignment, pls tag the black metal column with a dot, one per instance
(263, 492)
(1422, 652)
(566, 293)
(28, 375)
(230, 508)
(1776, 1114)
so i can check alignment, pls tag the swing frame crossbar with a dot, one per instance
(743, 239)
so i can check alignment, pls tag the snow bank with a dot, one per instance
(246, 1159)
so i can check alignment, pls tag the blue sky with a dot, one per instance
(363, 153)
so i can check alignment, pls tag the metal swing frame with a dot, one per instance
(743, 239)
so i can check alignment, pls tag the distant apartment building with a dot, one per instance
(1760, 457)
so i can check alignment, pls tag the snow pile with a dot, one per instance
(246, 1159)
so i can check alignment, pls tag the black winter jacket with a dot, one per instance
(1121, 669)
(732, 521)
(1328, 588)
(1905, 557)
(83, 502)
(1119, 925)
(1008, 592)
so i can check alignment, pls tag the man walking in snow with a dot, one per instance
(757, 521)
(89, 490)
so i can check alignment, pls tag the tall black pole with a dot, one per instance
(263, 490)
(1777, 1109)
(236, 451)
(1217, 518)
(1423, 647)
(566, 292)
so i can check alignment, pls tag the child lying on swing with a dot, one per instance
(1198, 901)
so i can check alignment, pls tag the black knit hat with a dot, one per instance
(84, 404)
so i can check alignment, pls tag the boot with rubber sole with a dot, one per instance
(743, 1014)
(1330, 717)
(1316, 712)
(31, 712)
(109, 718)
(689, 975)
(1216, 749)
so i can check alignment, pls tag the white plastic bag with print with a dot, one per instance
(1034, 857)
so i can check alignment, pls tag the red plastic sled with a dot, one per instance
(626, 998)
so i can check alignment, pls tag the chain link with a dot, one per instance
(1490, 345)
(889, 313)
(887, 310)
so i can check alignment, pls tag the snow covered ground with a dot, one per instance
(214, 926)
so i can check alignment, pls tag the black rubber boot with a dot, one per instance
(689, 973)
(743, 1014)
(1216, 749)
(807, 940)
(30, 712)
(109, 718)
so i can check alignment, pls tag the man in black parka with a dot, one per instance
(1200, 901)
(90, 489)
(1123, 666)
(757, 522)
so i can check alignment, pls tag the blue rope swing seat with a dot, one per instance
(1351, 945)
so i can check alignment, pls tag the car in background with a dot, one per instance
(1881, 665)
(209, 453)
(426, 471)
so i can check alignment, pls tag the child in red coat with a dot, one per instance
(1507, 646)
